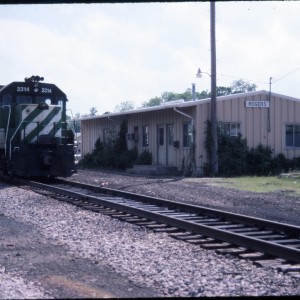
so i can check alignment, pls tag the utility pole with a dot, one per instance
(269, 120)
(214, 136)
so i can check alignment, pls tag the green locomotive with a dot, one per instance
(35, 140)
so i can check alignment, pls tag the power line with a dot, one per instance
(255, 81)
(286, 74)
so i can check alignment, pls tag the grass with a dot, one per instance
(257, 184)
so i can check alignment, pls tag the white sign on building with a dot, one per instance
(258, 104)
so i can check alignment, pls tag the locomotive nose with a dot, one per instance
(47, 159)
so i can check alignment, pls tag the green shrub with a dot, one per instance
(280, 164)
(232, 155)
(87, 160)
(114, 154)
(126, 159)
(121, 141)
(259, 161)
(145, 158)
(295, 163)
(236, 159)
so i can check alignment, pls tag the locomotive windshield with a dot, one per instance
(7, 99)
(22, 99)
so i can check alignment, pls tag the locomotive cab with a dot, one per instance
(34, 137)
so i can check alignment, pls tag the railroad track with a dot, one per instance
(267, 243)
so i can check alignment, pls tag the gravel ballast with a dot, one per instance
(155, 261)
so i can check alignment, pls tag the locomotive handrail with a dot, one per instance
(8, 121)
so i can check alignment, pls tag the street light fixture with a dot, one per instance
(199, 73)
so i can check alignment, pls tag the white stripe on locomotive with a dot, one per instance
(39, 119)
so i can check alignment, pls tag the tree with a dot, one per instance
(223, 91)
(152, 102)
(123, 106)
(241, 86)
(202, 95)
(169, 96)
(187, 95)
(93, 111)
(237, 86)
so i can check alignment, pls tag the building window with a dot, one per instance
(136, 133)
(110, 135)
(170, 135)
(230, 129)
(292, 135)
(160, 136)
(146, 136)
(187, 134)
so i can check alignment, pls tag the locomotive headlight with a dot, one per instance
(43, 106)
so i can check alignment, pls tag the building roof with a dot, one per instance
(182, 103)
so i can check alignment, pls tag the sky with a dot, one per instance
(101, 55)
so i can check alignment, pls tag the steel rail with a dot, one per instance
(253, 221)
(276, 249)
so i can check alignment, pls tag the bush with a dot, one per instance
(236, 159)
(121, 141)
(109, 155)
(232, 155)
(145, 158)
(259, 160)
(126, 159)
(280, 164)
(295, 163)
(87, 160)
(115, 154)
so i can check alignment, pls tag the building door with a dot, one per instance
(161, 145)
(171, 152)
(136, 136)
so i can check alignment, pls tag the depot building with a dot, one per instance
(166, 130)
